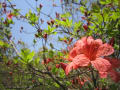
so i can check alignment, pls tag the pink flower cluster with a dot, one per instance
(89, 52)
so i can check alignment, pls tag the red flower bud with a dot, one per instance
(9, 63)
(63, 65)
(4, 5)
(57, 15)
(48, 22)
(61, 1)
(70, 40)
(73, 81)
(10, 73)
(65, 41)
(48, 60)
(22, 28)
(54, 5)
(41, 6)
(85, 13)
(16, 65)
(112, 41)
(83, 18)
(36, 35)
(45, 36)
(85, 27)
(9, 16)
(57, 65)
(33, 81)
(52, 21)
(56, 26)
(63, 19)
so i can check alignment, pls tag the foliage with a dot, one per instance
(21, 68)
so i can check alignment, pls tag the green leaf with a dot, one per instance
(61, 73)
(1, 43)
(38, 9)
(50, 30)
(116, 47)
(103, 2)
(77, 26)
(68, 83)
(37, 60)
(66, 15)
(95, 8)
(83, 2)
(82, 9)
(68, 23)
(60, 54)
(56, 85)
(40, 80)
(10, 21)
(0, 5)
(54, 70)
(16, 12)
(32, 18)
(54, 33)
(4, 44)
(26, 55)
(51, 45)
(30, 56)
(50, 54)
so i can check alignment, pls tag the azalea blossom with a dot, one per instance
(88, 51)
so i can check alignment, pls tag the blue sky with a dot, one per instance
(28, 35)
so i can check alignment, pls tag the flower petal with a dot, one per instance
(102, 65)
(72, 54)
(103, 74)
(69, 67)
(91, 47)
(99, 41)
(81, 60)
(105, 50)
(90, 40)
(79, 43)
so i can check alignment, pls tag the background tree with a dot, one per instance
(22, 68)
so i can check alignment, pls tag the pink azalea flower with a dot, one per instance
(88, 51)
